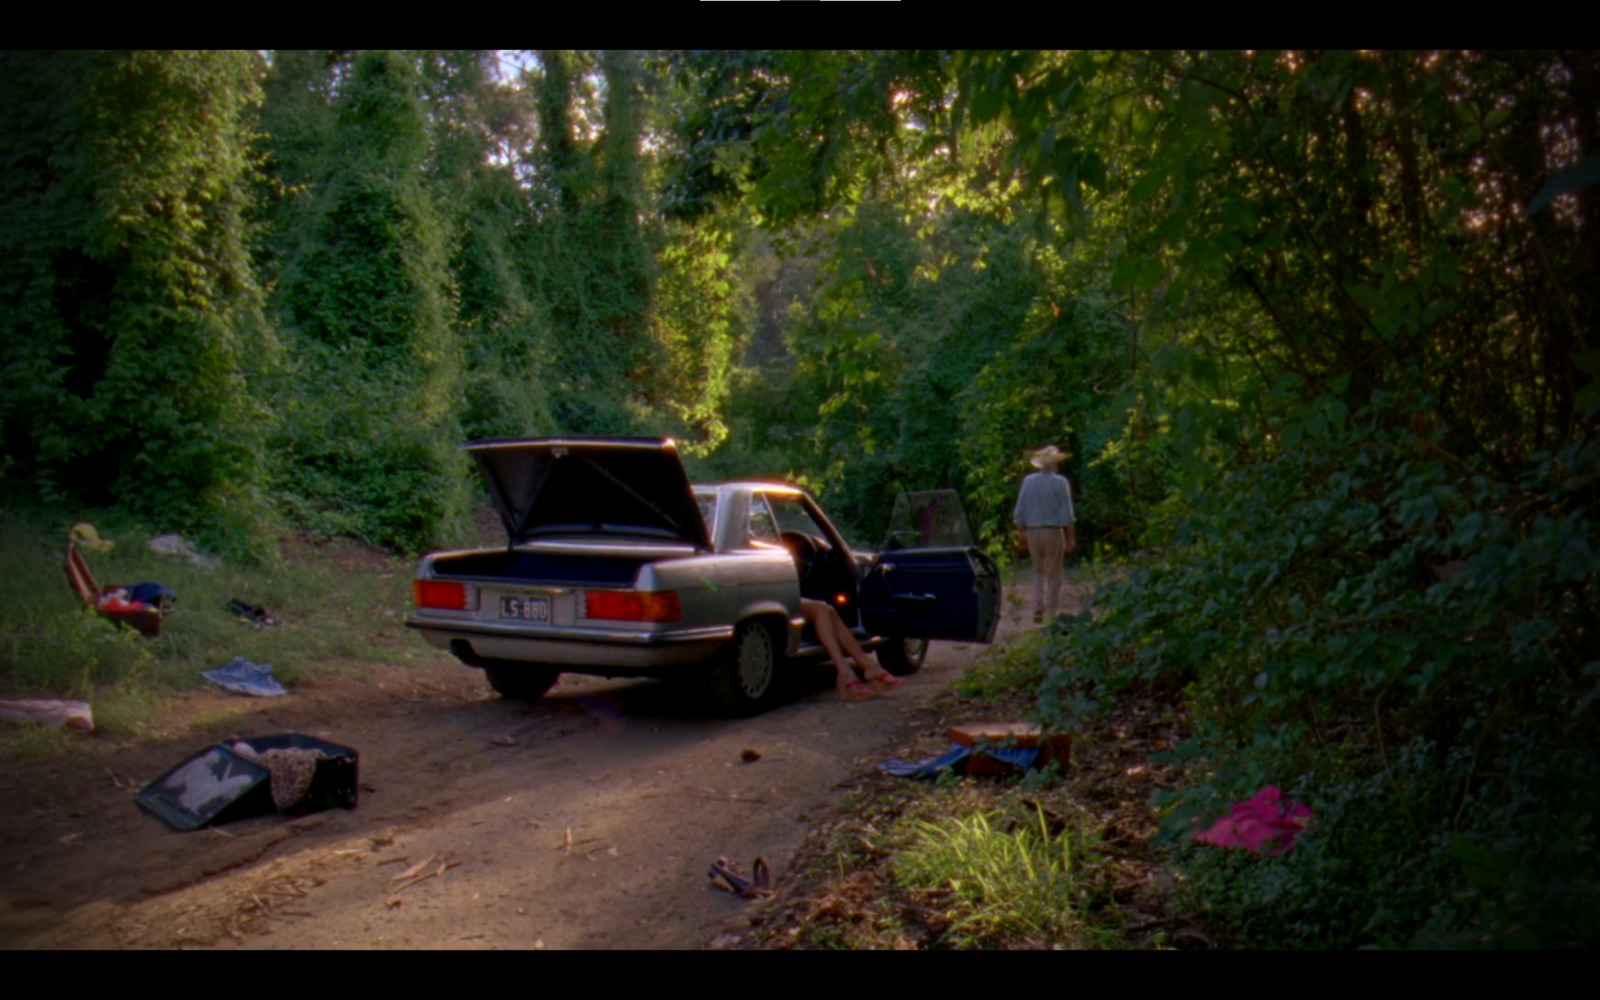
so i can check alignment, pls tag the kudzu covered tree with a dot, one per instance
(132, 346)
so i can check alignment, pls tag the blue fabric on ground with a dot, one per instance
(955, 758)
(1021, 758)
(149, 593)
(242, 676)
(929, 768)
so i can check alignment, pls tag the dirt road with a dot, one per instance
(585, 820)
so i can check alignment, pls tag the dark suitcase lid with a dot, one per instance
(214, 785)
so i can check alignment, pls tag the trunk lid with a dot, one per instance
(543, 487)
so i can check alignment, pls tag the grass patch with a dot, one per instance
(32, 739)
(339, 603)
(1001, 671)
(1003, 876)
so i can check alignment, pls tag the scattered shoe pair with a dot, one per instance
(728, 875)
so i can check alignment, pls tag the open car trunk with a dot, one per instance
(576, 486)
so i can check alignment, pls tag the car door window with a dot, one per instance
(763, 527)
(792, 515)
(931, 519)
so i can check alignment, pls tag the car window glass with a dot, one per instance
(762, 526)
(792, 515)
(928, 519)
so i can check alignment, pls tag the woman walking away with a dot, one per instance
(1045, 523)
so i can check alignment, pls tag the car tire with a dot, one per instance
(521, 681)
(744, 677)
(901, 656)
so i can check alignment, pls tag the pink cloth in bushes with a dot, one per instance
(1265, 824)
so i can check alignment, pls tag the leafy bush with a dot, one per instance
(1406, 643)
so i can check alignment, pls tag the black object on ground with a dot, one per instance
(215, 785)
(253, 613)
(729, 876)
(222, 784)
(336, 782)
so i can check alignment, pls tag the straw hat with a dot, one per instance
(1048, 455)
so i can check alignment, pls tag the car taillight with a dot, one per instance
(632, 605)
(439, 594)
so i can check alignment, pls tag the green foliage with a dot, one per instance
(999, 671)
(1401, 640)
(131, 341)
(368, 446)
(1040, 389)
(592, 263)
(697, 305)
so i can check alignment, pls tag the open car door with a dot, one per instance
(929, 581)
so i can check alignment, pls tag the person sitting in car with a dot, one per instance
(838, 641)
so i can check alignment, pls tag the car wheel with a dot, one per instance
(522, 681)
(901, 656)
(744, 678)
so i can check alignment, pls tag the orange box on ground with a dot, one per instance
(1054, 748)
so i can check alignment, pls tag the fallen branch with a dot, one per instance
(414, 869)
(443, 867)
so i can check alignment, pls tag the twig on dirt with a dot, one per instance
(395, 861)
(444, 866)
(570, 844)
(219, 831)
(414, 869)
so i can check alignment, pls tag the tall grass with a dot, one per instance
(1022, 882)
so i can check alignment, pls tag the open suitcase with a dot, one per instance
(146, 619)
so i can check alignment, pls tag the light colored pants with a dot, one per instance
(1047, 547)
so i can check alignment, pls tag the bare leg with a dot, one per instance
(847, 639)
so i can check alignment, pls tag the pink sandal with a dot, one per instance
(857, 690)
(885, 678)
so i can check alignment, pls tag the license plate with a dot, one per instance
(530, 609)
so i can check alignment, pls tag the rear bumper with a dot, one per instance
(578, 648)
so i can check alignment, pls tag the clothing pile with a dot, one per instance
(292, 770)
(137, 597)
